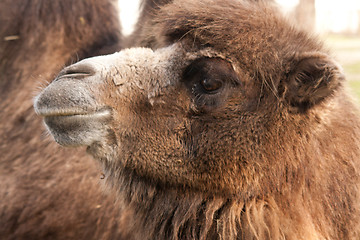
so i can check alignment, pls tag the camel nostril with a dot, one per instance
(77, 71)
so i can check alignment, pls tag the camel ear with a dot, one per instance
(313, 77)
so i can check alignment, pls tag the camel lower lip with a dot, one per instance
(78, 129)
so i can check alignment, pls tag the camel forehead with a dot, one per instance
(205, 20)
(252, 33)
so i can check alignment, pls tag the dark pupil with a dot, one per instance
(210, 84)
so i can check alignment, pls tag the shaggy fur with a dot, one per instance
(149, 9)
(270, 152)
(48, 192)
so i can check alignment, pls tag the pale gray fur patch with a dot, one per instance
(149, 71)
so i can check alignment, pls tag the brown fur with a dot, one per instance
(48, 192)
(273, 155)
(149, 9)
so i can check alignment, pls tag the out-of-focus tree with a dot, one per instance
(305, 14)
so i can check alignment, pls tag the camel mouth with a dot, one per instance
(74, 113)
(78, 116)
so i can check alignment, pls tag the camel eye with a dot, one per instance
(211, 85)
(209, 81)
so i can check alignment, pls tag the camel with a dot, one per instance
(224, 121)
(48, 192)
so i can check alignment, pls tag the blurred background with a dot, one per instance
(336, 22)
